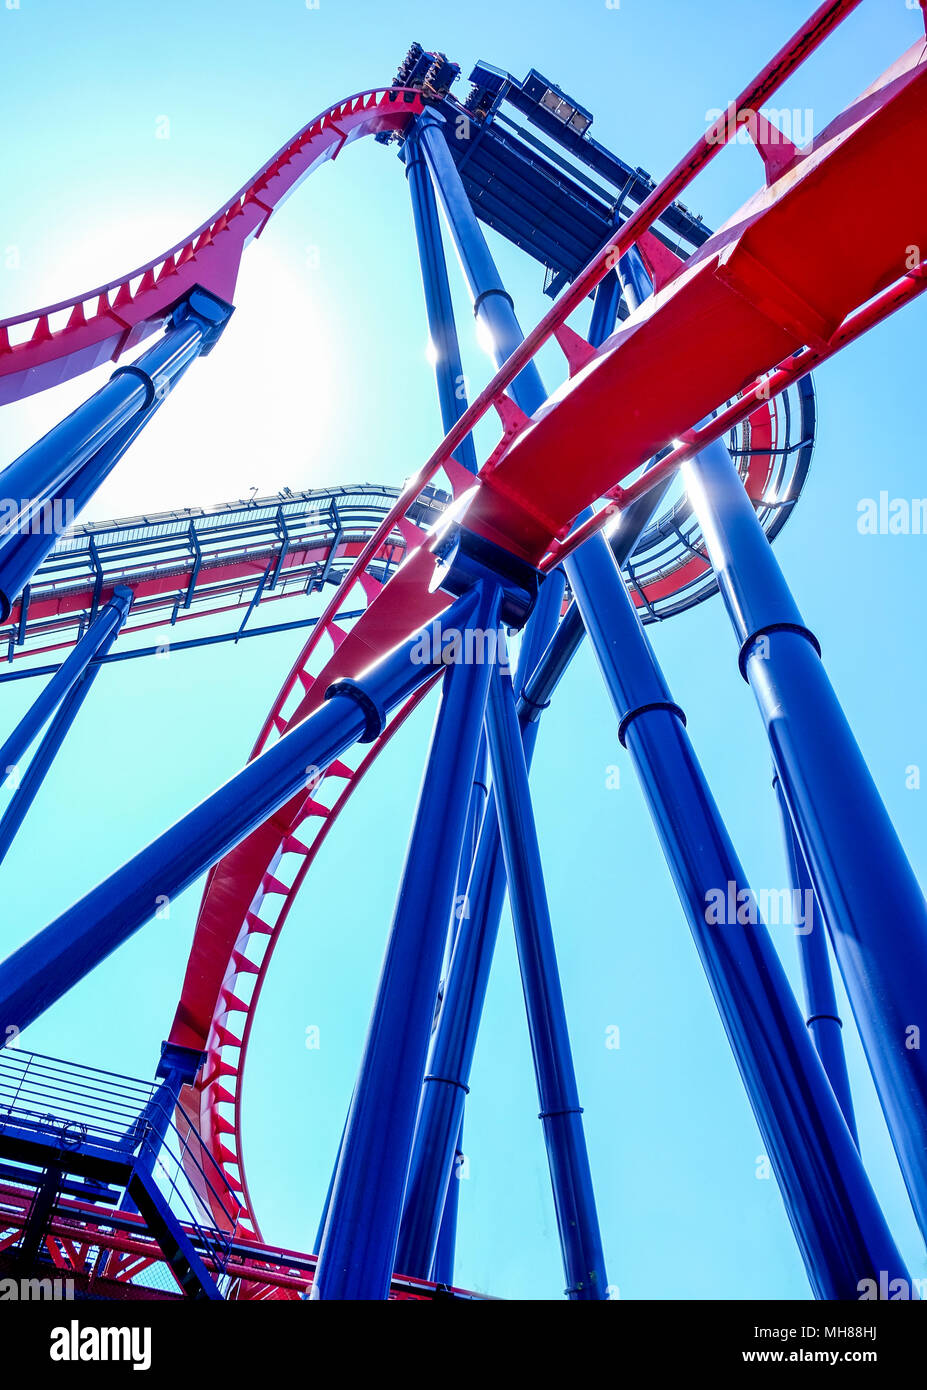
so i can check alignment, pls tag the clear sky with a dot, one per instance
(322, 378)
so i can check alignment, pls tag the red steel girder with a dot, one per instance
(105, 322)
(783, 273)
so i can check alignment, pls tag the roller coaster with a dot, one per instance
(656, 474)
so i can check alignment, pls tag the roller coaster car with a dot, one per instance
(432, 73)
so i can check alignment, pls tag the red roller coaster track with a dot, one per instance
(794, 275)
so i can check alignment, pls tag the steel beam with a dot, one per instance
(94, 644)
(86, 445)
(821, 1016)
(358, 1251)
(439, 308)
(454, 1040)
(571, 1178)
(55, 959)
(859, 870)
(837, 1222)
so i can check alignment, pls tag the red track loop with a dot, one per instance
(46, 346)
(775, 279)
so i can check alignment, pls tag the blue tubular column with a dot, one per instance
(605, 309)
(54, 960)
(95, 642)
(44, 470)
(24, 553)
(454, 1040)
(446, 1082)
(632, 278)
(442, 1266)
(861, 876)
(635, 281)
(356, 1260)
(837, 1222)
(492, 304)
(439, 309)
(70, 687)
(465, 987)
(571, 1179)
(824, 1023)
(452, 397)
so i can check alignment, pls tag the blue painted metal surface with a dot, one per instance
(439, 309)
(605, 309)
(836, 1219)
(358, 1252)
(442, 1266)
(48, 965)
(823, 1020)
(634, 279)
(454, 1040)
(492, 306)
(70, 688)
(571, 1178)
(24, 554)
(79, 443)
(452, 396)
(95, 643)
(859, 870)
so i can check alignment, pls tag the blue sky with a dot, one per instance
(322, 378)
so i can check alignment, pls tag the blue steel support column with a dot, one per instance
(824, 1023)
(635, 281)
(571, 1178)
(492, 304)
(95, 642)
(837, 1222)
(442, 1266)
(872, 903)
(54, 960)
(452, 397)
(24, 553)
(465, 987)
(99, 638)
(177, 1067)
(44, 469)
(605, 309)
(632, 278)
(356, 1260)
(439, 308)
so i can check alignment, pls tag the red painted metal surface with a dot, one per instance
(79, 1242)
(46, 346)
(766, 285)
(156, 592)
(785, 271)
(795, 269)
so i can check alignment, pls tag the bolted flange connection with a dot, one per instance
(464, 559)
